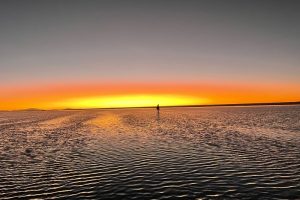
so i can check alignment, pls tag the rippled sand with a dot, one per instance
(183, 153)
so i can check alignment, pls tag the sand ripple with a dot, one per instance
(190, 153)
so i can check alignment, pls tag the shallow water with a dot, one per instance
(182, 153)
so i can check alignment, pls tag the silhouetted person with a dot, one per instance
(157, 115)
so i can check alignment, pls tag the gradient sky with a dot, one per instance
(218, 51)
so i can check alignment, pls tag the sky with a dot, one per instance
(110, 53)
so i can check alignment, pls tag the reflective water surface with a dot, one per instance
(182, 153)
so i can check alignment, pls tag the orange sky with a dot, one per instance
(93, 95)
(95, 54)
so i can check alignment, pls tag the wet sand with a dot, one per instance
(182, 153)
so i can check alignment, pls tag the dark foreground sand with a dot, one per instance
(182, 153)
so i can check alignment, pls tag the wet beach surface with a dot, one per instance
(182, 153)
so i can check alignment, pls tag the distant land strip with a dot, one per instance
(242, 104)
(212, 105)
(184, 106)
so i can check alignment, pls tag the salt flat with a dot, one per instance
(180, 153)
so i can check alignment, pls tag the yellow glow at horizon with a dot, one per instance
(129, 101)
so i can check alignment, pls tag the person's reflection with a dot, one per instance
(157, 116)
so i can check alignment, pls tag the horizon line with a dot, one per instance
(175, 106)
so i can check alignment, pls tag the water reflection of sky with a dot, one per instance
(180, 153)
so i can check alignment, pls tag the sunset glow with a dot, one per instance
(116, 95)
(120, 101)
